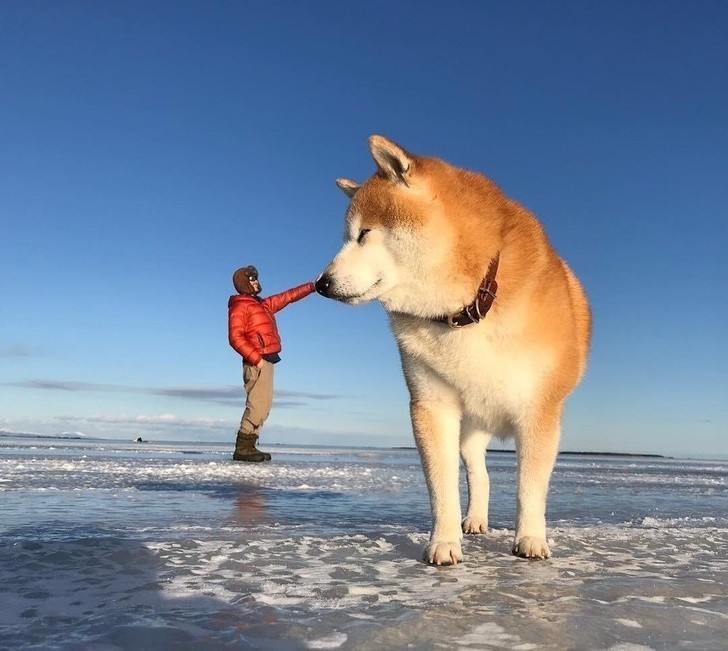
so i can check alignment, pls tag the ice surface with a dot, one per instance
(107, 545)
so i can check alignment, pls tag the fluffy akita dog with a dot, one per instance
(492, 325)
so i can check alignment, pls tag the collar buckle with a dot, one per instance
(463, 318)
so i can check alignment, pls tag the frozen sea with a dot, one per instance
(112, 545)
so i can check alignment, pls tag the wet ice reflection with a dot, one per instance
(177, 547)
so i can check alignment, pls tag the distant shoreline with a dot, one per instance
(76, 437)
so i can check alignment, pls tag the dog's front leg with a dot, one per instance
(436, 427)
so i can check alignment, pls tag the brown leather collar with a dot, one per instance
(477, 310)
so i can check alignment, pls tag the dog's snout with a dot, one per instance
(323, 285)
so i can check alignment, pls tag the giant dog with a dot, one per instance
(493, 330)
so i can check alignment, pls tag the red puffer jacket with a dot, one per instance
(252, 329)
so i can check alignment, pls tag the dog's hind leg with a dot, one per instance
(436, 427)
(536, 449)
(473, 443)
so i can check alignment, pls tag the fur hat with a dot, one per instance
(241, 280)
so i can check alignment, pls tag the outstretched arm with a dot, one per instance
(277, 302)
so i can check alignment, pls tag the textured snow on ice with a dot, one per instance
(110, 546)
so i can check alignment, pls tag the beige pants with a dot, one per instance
(259, 387)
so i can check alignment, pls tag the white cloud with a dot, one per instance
(151, 420)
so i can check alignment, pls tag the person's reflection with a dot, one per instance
(250, 506)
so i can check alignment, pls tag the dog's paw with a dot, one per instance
(531, 547)
(474, 524)
(443, 553)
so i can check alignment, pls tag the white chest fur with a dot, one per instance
(490, 373)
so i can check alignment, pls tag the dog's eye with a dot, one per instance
(362, 234)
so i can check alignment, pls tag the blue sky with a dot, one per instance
(150, 148)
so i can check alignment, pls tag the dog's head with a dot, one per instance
(403, 244)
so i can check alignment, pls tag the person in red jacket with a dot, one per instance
(253, 333)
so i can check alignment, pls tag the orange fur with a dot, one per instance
(421, 234)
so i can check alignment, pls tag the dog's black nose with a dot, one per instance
(323, 284)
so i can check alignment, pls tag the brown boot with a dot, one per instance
(245, 449)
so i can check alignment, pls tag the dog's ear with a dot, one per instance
(348, 187)
(393, 161)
